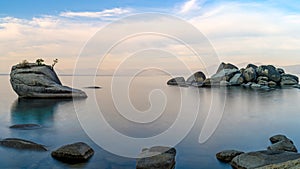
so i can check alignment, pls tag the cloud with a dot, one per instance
(189, 6)
(101, 14)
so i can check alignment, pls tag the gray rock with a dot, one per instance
(290, 164)
(250, 74)
(197, 77)
(196, 84)
(272, 84)
(223, 66)
(177, 81)
(25, 126)
(284, 145)
(264, 78)
(247, 85)
(225, 74)
(288, 79)
(252, 65)
(263, 83)
(92, 87)
(237, 79)
(40, 81)
(257, 159)
(227, 155)
(73, 153)
(280, 70)
(17, 143)
(296, 86)
(255, 86)
(224, 83)
(157, 158)
(278, 138)
(270, 72)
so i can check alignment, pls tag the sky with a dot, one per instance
(240, 32)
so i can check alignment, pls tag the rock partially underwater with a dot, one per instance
(40, 81)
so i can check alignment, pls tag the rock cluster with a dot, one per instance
(279, 155)
(252, 76)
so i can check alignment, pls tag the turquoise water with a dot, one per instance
(250, 117)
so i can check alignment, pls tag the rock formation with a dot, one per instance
(31, 80)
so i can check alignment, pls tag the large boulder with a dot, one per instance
(197, 77)
(262, 158)
(157, 158)
(237, 79)
(224, 75)
(288, 79)
(40, 81)
(249, 74)
(223, 66)
(227, 155)
(21, 144)
(73, 153)
(284, 145)
(269, 71)
(177, 81)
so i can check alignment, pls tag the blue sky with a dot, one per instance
(261, 31)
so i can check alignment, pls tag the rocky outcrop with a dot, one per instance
(73, 153)
(31, 80)
(252, 76)
(177, 81)
(157, 158)
(262, 158)
(280, 154)
(21, 144)
(227, 155)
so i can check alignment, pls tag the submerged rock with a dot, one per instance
(93, 87)
(262, 158)
(40, 81)
(157, 158)
(22, 144)
(25, 126)
(227, 155)
(73, 153)
(177, 81)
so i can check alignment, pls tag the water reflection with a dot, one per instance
(39, 111)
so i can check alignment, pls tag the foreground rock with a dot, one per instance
(157, 158)
(73, 153)
(227, 155)
(31, 80)
(280, 155)
(22, 144)
(262, 158)
(196, 78)
(25, 126)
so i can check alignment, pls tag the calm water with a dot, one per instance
(249, 119)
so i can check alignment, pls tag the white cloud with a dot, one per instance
(105, 13)
(189, 6)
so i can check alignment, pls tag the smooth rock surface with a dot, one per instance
(40, 81)
(197, 77)
(237, 79)
(262, 158)
(227, 155)
(284, 145)
(73, 153)
(288, 79)
(177, 81)
(22, 144)
(157, 158)
(279, 137)
(223, 66)
(225, 74)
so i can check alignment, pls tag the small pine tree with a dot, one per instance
(54, 63)
(39, 62)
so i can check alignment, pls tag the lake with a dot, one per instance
(248, 119)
